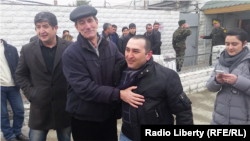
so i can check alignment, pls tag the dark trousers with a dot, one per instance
(94, 131)
(210, 59)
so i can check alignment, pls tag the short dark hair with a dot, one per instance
(65, 31)
(46, 17)
(124, 28)
(239, 33)
(148, 25)
(106, 26)
(114, 26)
(93, 17)
(147, 42)
(156, 23)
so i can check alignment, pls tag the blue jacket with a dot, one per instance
(12, 57)
(91, 96)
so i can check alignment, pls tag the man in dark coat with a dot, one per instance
(132, 32)
(217, 35)
(107, 31)
(88, 66)
(120, 41)
(153, 36)
(156, 47)
(34, 38)
(40, 76)
(160, 86)
(10, 92)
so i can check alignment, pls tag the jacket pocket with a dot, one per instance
(33, 95)
(153, 117)
(185, 100)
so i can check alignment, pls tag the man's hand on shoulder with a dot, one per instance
(131, 98)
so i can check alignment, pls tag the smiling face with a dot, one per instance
(234, 45)
(87, 27)
(45, 32)
(135, 53)
(156, 27)
(125, 32)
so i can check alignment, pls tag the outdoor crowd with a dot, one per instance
(83, 87)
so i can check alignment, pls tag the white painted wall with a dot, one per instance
(17, 22)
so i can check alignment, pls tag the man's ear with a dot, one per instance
(149, 55)
(244, 44)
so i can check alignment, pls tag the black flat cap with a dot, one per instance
(131, 25)
(82, 11)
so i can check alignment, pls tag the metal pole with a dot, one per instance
(105, 3)
(197, 6)
(134, 4)
(177, 4)
(144, 4)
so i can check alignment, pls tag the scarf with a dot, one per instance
(232, 61)
(149, 34)
(129, 76)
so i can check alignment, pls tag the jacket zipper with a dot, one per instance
(156, 113)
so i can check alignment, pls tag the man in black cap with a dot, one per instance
(132, 32)
(88, 66)
(107, 31)
(157, 46)
(218, 36)
(178, 41)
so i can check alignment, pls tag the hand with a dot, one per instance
(229, 78)
(219, 78)
(202, 36)
(186, 25)
(131, 98)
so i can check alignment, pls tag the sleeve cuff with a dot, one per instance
(242, 83)
(212, 85)
(115, 95)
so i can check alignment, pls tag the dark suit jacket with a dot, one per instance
(47, 93)
(34, 38)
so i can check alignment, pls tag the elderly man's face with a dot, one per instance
(135, 53)
(87, 27)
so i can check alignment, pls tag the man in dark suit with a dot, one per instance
(39, 74)
(34, 38)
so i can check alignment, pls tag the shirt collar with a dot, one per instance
(42, 45)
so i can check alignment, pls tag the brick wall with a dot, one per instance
(17, 25)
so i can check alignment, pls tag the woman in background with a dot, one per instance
(68, 37)
(232, 82)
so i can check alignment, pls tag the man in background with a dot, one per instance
(178, 42)
(107, 31)
(157, 41)
(132, 32)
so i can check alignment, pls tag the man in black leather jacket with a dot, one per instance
(160, 86)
